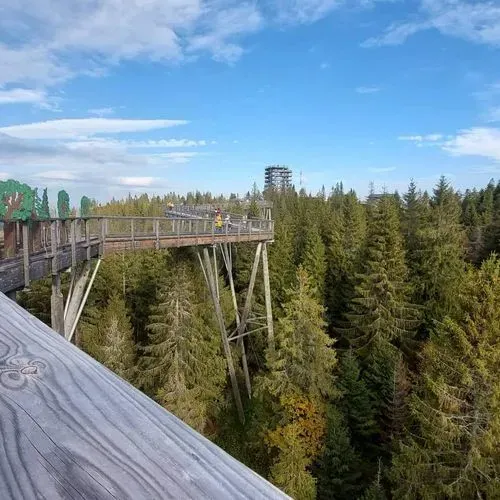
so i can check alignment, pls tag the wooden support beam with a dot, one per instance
(79, 279)
(73, 243)
(248, 301)
(267, 295)
(73, 429)
(225, 342)
(56, 298)
(241, 343)
(26, 254)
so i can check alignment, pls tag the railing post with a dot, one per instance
(26, 254)
(56, 299)
(157, 233)
(132, 232)
(87, 237)
(73, 243)
(102, 222)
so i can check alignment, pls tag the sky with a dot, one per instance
(107, 97)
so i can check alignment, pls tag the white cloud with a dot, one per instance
(105, 143)
(177, 156)
(303, 11)
(136, 181)
(324, 65)
(22, 96)
(476, 21)
(367, 90)
(58, 175)
(478, 141)
(84, 127)
(101, 111)
(421, 138)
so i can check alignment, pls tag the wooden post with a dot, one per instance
(103, 237)
(157, 233)
(26, 254)
(267, 294)
(248, 301)
(87, 238)
(73, 244)
(132, 232)
(241, 343)
(216, 272)
(75, 297)
(9, 239)
(56, 299)
(225, 342)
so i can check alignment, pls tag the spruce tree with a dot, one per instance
(314, 261)
(338, 468)
(454, 451)
(182, 366)
(107, 336)
(439, 263)
(380, 312)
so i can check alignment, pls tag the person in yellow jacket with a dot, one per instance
(218, 222)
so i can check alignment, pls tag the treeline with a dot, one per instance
(384, 379)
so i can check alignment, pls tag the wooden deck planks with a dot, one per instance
(70, 428)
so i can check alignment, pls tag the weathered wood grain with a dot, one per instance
(72, 429)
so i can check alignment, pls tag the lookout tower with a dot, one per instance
(278, 177)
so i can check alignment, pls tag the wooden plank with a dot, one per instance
(72, 429)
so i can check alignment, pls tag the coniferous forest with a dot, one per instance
(385, 379)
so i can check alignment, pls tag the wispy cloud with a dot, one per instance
(101, 111)
(22, 96)
(478, 141)
(421, 138)
(84, 127)
(367, 90)
(476, 21)
(324, 65)
(98, 143)
(136, 181)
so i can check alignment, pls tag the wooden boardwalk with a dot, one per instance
(71, 429)
(36, 250)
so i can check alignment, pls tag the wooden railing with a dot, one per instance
(34, 249)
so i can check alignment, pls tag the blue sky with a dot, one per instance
(106, 97)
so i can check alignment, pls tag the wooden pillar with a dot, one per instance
(267, 294)
(26, 254)
(56, 299)
(241, 343)
(225, 341)
(74, 299)
(9, 239)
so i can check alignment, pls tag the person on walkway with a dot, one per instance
(218, 221)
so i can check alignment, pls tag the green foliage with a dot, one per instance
(380, 311)
(108, 337)
(17, 200)
(182, 364)
(314, 261)
(338, 471)
(63, 206)
(456, 407)
(85, 206)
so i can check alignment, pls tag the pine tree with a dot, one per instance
(107, 336)
(440, 264)
(299, 378)
(182, 365)
(338, 468)
(303, 360)
(456, 451)
(355, 401)
(380, 312)
(314, 261)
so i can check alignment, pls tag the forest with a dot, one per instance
(384, 381)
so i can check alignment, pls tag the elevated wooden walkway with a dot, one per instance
(37, 249)
(71, 429)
